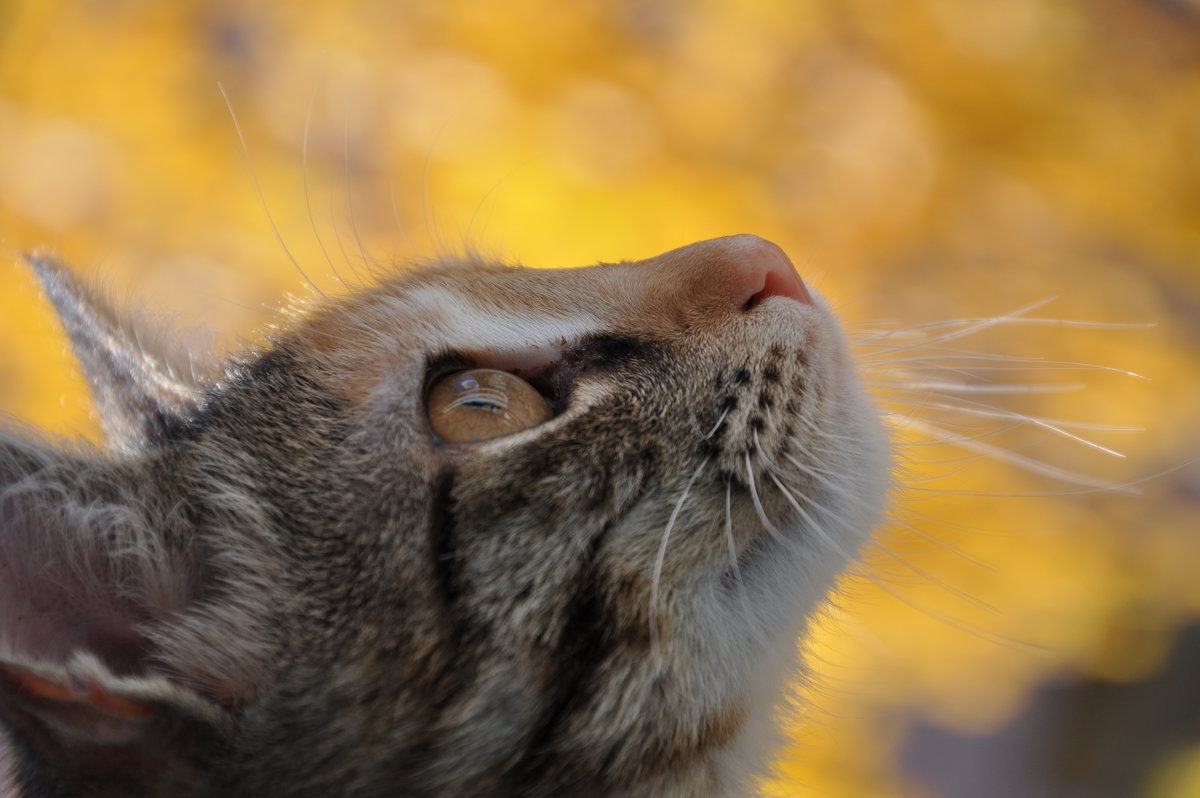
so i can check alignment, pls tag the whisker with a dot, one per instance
(717, 426)
(747, 613)
(898, 420)
(400, 228)
(1013, 318)
(312, 222)
(483, 202)
(859, 570)
(432, 228)
(262, 199)
(931, 578)
(959, 327)
(337, 236)
(826, 482)
(1050, 425)
(990, 388)
(934, 540)
(975, 361)
(662, 556)
(958, 404)
(1021, 461)
(758, 506)
(1128, 487)
(825, 436)
(362, 251)
(833, 544)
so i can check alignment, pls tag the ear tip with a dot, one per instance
(51, 271)
(43, 261)
(77, 309)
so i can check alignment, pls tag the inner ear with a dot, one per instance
(75, 577)
(56, 691)
(75, 708)
(101, 574)
(80, 730)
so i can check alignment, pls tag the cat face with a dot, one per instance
(473, 530)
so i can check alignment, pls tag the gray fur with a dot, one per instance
(319, 598)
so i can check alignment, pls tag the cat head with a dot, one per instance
(471, 530)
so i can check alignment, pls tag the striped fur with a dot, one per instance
(309, 594)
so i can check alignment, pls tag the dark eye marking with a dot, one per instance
(604, 352)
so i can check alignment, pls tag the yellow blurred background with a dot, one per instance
(921, 161)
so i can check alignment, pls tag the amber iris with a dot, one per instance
(478, 404)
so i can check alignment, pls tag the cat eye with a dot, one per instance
(478, 404)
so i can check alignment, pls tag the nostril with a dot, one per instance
(738, 272)
(765, 271)
(781, 282)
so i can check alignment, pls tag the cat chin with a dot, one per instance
(755, 628)
(782, 580)
(751, 643)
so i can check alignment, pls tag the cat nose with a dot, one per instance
(762, 270)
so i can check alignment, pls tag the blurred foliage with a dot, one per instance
(926, 160)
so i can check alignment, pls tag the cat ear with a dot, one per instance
(85, 573)
(141, 396)
(80, 725)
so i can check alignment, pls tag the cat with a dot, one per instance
(473, 530)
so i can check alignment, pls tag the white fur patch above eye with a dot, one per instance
(467, 325)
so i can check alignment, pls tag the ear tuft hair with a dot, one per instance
(140, 397)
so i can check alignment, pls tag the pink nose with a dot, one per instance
(763, 270)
